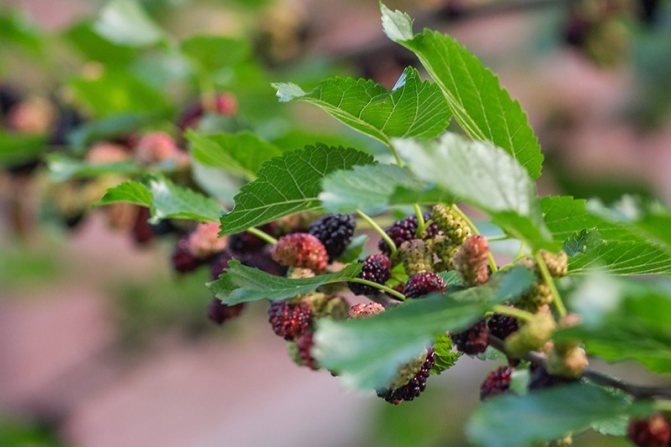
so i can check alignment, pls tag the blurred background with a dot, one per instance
(101, 344)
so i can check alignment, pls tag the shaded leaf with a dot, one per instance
(369, 187)
(20, 148)
(165, 199)
(623, 251)
(445, 357)
(241, 284)
(623, 321)
(483, 176)
(367, 353)
(547, 414)
(288, 185)
(215, 52)
(62, 168)
(242, 153)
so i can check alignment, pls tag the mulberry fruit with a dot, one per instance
(652, 432)
(246, 242)
(304, 345)
(471, 261)
(417, 256)
(422, 284)
(142, 231)
(376, 268)
(204, 240)
(405, 230)
(219, 312)
(412, 388)
(359, 311)
(335, 231)
(183, 261)
(454, 227)
(263, 261)
(301, 250)
(289, 320)
(501, 326)
(219, 264)
(473, 340)
(497, 382)
(557, 264)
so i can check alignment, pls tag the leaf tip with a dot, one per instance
(397, 25)
(287, 91)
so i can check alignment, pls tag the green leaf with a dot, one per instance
(109, 127)
(16, 29)
(62, 168)
(650, 218)
(623, 321)
(96, 48)
(166, 200)
(451, 278)
(130, 192)
(215, 52)
(623, 251)
(20, 148)
(241, 284)
(415, 108)
(119, 92)
(242, 153)
(513, 421)
(480, 105)
(354, 249)
(369, 188)
(582, 242)
(483, 176)
(445, 357)
(287, 185)
(125, 23)
(367, 353)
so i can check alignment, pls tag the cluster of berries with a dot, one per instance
(34, 115)
(654, 431)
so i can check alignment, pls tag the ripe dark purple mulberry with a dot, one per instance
(142, 231)
(246, 242)
(501, 326)
(652, 432)
(406, 230)
(262, 260)
(497, 382)
(376, 268)
(335, 231)
(219, 312)
(414, 387)
(289, 320)
(183, 261)
(473, 340)
(219, 264)
(422, 284)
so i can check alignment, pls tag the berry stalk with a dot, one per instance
(421, 223)
(545, 273)
(513, 312)
(381, 287)
(262, 235)
(378, 230)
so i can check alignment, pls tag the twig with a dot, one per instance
(637, 391)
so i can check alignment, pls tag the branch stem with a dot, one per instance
(381, 287)
(513, 312)
(547, 278)
(637, 391)
(421, 223)
(262, 235)
(378, 230)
